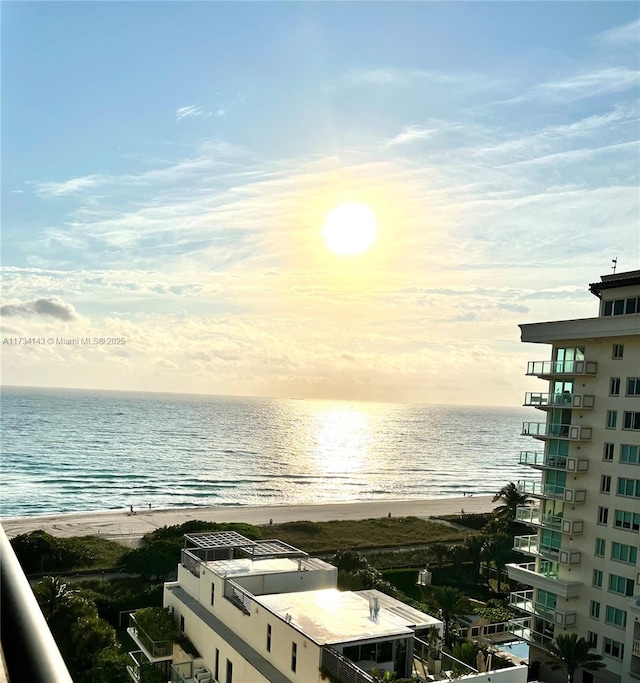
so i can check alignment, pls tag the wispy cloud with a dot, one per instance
(627, 34)
(192, 111)
(410, 134)
(407, 77)
(67, 187)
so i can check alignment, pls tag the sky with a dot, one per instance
(167, 168)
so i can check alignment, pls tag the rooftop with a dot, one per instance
(232, 542)
(246, 566)
(330, 616)
(628, 279)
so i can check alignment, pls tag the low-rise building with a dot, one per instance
(266, 612)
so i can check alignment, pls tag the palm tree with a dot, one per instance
(498, 549)
(511, 499)
(449, 604)
(54, 596)
(574, 653)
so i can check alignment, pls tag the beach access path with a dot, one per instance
(127, 528)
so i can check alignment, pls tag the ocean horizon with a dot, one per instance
(80, 450)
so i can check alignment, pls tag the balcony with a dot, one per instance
(565, 400)
(546, 578)
(531, 515)
(522, 629)
(134, 668)
(551, 430)
(155, 650)
(537, 489)
(530, 545)
(541, 460)
(561, 368)
(343, 669)
(523, 600)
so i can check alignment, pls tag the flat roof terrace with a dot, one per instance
(245, 566)
(329, 616)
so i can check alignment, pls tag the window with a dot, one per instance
(633, 386)
(608, 452)
(605, 483)
(630, 454)
(294, 656)
(631, 421)
(547, 599)
(181, 624)
(613, 648)
(618, 351)
(592, 639)
(629, 487)
(614, 386)
(600, 547)
(597, 578)
(627, 306)
(603, 515)
(213, 593)
(612, 419)
(615, 616)
(620, 552)
(594, 610)
(229, 672)
(620, 585)
(217, 667)
(629, 521)
(268, 637)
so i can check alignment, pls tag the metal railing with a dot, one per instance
(156, 649)
(30, 651)
(343, 669)
(553, 430)
(522, 629)
(541, 459)
(240, 597)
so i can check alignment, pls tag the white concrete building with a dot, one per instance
(583, 569)
(265, 612)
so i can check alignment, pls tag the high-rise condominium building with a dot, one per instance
(582, 568)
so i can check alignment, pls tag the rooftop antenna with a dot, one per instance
(615, 263)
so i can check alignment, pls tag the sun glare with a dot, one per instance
(350, 229)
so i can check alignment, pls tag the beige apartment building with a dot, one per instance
(266, 612)
(582, 571)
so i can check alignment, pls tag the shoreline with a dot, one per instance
(127, 528)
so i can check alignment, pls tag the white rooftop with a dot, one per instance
(330, 616)
(244, 566)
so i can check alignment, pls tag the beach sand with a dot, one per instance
(128, 528)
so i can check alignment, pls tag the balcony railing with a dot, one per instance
(551, 368)
(542, 460)
(558, 400)
(134, 668)
(29, 649)
(153, 649)
(522, 629)
(635, 650)
(530, 545)
(343, 669)
(552, 430)
(192, 671)
(523, 600)
(546, 577)
(529, 514)
(240, 597)
(551, 491)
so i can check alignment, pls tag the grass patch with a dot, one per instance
(105, 554)
(324, 537)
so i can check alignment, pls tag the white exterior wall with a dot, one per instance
(598, 336)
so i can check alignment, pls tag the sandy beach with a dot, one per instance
(129, 528)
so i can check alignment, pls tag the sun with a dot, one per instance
(350, 229)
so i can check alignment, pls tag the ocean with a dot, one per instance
(74, 450)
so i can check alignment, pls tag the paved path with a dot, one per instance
(126, 528)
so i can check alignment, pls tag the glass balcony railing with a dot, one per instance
(541, 459)
(552, 430)
(153, 649)
(537, 488)
(550, 368)
(524, 601)
(558, 400)
(531, 546)
(531, 515)
(521, 628)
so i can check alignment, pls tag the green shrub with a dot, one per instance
(39, 551)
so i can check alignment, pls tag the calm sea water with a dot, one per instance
(73, 450)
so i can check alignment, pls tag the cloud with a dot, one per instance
(192, 111)
(408, 77)
(53, 189)
(410, 134)
(53, 307)
(627, 34)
